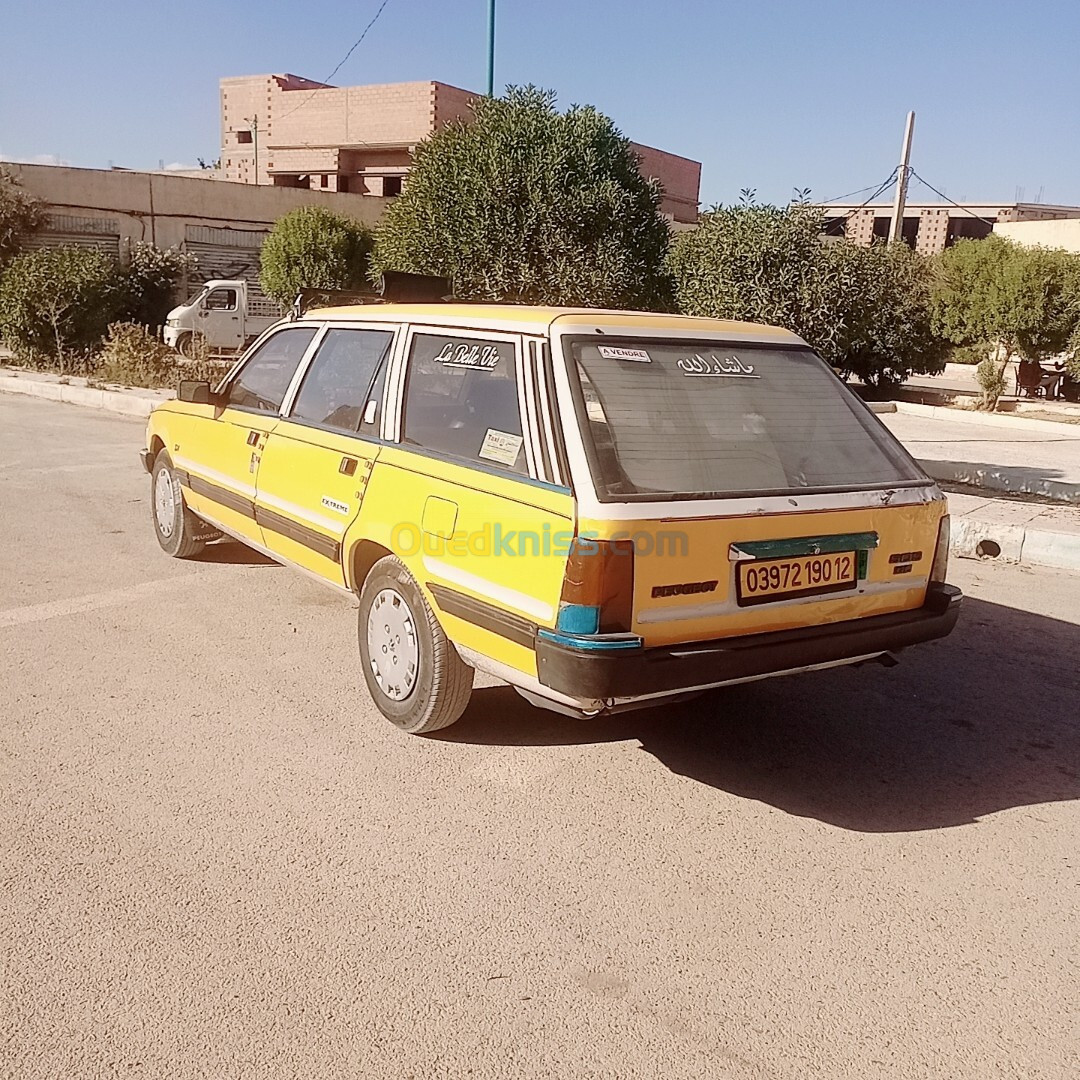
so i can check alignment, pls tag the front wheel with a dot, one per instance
(413, 672)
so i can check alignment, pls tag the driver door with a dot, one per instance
(221, 454)
(219, 319)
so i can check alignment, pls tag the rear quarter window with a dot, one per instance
(461, 400)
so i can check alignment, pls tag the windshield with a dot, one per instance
(697, 419)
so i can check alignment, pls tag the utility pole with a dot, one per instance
(896, 230)
(491, 48)
(254, 122)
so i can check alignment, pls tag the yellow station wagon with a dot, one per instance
(604, 509)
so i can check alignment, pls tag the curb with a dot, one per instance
(990, 480)
(971, 416)
(973, 538)
(75, 392)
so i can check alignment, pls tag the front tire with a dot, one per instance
(413, 672)
(179, 532)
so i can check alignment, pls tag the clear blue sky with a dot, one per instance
(770, 95)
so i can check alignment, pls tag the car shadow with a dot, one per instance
(1019, 479)
(232, 553)
(979, 722)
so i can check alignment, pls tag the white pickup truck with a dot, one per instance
(227, 315)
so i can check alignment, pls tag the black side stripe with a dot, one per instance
(268, 519)
(485, 615)
(230, 499)
(293, 530)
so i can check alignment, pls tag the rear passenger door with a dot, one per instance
(317, 462)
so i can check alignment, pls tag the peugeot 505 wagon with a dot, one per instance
(604, 509)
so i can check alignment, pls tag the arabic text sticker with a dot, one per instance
(727, 367)
(616, 352)
(500, 446)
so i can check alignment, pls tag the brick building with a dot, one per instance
(287, 131)
(932, 227)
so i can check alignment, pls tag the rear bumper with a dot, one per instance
(668, 670)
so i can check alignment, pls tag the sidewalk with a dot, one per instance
(999, 453)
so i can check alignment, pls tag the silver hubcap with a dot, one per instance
(164, 502)
(392, 645)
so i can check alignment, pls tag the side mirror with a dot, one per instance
(198, 393)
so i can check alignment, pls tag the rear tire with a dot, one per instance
(180, 533)
(413, 672)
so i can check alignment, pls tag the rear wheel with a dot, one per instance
(413, 672)
(179, 532)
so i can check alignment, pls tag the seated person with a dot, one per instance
(1032, 376)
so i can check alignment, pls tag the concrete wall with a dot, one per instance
(1052, 234)
(160, 208)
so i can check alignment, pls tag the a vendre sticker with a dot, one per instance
(500, 446)
(615, 352)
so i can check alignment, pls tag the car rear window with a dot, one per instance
(699, 419)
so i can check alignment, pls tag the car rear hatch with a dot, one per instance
(747, 487)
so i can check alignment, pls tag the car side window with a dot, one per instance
(340, 381)
(461, 399)
(264, 378)
(221, 300)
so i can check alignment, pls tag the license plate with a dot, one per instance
(762, 581)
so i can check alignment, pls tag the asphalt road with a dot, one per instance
(218, 861)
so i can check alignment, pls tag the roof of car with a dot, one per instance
(521, 318)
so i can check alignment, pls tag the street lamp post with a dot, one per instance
(491, 48)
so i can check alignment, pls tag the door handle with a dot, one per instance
(253, 438)
(347, 466)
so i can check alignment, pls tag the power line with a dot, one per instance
(882, 187)
(842, 198)
(374, 20)
(959, 206)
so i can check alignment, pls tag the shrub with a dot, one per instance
(56, 305)
(992, 382)
(314, 248)
(528, 205)
(864, 309)
(152, 278)
(21, 215)
(132, 356)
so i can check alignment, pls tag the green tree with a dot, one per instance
(56, 305)
(864, 309)
(1015, 300)
(21, 215)
(151, 278)
(314, 248)
(529, 205)
(1023, 299)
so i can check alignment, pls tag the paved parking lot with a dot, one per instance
(218, 861)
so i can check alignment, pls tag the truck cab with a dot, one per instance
(225, 314)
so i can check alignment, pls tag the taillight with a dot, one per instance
(598, 587)
(940, 567)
